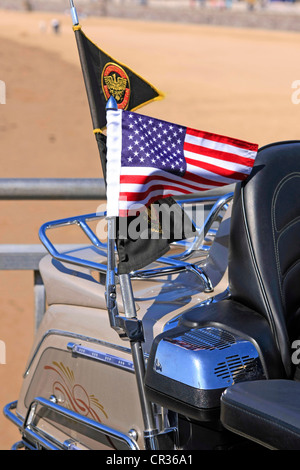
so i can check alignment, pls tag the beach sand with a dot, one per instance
(236, 82)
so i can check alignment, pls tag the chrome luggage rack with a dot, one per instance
(175, 263)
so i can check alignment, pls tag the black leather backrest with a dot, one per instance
(264, 254)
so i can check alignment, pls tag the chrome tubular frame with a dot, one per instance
(176, 263)
(220, 204)
(35, 439)
(80, 221)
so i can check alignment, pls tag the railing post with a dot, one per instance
(39, 298)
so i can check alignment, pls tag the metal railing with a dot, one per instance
(27, 257)
(52, 189)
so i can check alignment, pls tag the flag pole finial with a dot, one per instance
(111, 104)
(74, 13)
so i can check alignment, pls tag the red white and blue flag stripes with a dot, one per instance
(152, 159)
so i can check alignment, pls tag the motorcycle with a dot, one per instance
(196, 351)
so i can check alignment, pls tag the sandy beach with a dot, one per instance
(232, 81)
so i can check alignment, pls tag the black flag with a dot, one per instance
(103, 77)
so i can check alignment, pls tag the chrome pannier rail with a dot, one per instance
(34, 438)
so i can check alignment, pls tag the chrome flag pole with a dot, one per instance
(128, 326)
(74, 14)
(111, 301)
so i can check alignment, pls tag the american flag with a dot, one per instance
(160, 159)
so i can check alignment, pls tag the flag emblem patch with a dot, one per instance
(115, 82)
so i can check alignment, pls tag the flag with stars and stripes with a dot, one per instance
(158, 159)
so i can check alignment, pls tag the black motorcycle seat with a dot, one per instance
(265, 411)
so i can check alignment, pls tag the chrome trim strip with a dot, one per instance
(79, 350)
(76, 336)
